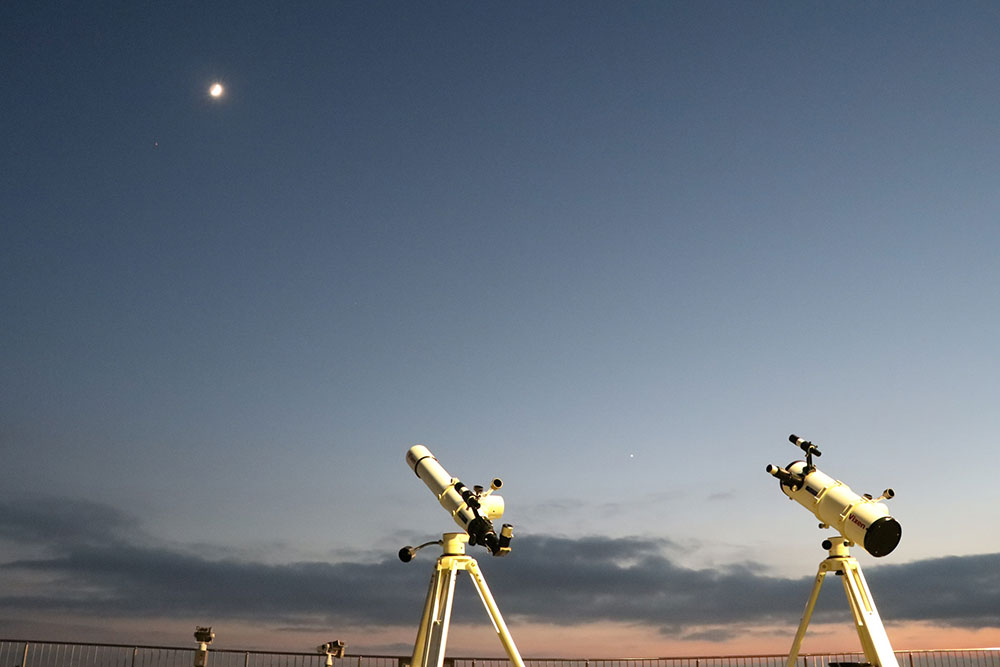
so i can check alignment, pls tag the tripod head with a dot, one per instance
(473, 510)
(859, 519)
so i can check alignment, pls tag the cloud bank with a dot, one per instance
(92, 559)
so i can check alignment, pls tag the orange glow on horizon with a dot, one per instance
(534, 640)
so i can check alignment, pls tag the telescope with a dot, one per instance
(859, 519)
(473, 510)
(331, 650)
(204, 635)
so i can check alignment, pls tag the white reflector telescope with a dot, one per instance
(861, 519)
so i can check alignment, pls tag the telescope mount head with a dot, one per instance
(838, 547)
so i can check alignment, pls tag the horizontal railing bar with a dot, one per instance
(384, 657)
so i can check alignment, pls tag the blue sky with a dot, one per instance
(611, 253)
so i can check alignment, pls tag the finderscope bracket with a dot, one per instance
(809, 449)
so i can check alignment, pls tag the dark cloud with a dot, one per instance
(630, 579)
(953, 590)
(94, 563)
(713, 635)
(134, 580)
(60, 521)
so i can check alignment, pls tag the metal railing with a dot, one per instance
(26, 653)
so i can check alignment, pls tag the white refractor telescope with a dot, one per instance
(473, 510)
(860, 519)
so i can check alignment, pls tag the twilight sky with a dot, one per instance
(613, 253)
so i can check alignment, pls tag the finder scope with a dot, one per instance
(860, 519)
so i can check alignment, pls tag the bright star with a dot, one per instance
(216, 90)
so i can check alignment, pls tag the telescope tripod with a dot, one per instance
(868, 623)
(432, 636)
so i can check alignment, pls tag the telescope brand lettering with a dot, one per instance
(858, 521)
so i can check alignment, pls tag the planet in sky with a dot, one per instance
(216, 90)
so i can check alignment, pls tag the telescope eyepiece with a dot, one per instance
(787, 478)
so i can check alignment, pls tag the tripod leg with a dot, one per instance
(806, 615)
(432, 636)
(494, 612)
(867, 621)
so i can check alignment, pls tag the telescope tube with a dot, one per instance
(449, 492)
(859, 519)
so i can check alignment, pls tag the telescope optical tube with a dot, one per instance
(471, 511)
(860, 519)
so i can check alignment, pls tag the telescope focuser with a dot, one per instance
(791, 479)
(481, 529)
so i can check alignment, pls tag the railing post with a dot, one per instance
(246, 659)
(135, 650)
(24, 660)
